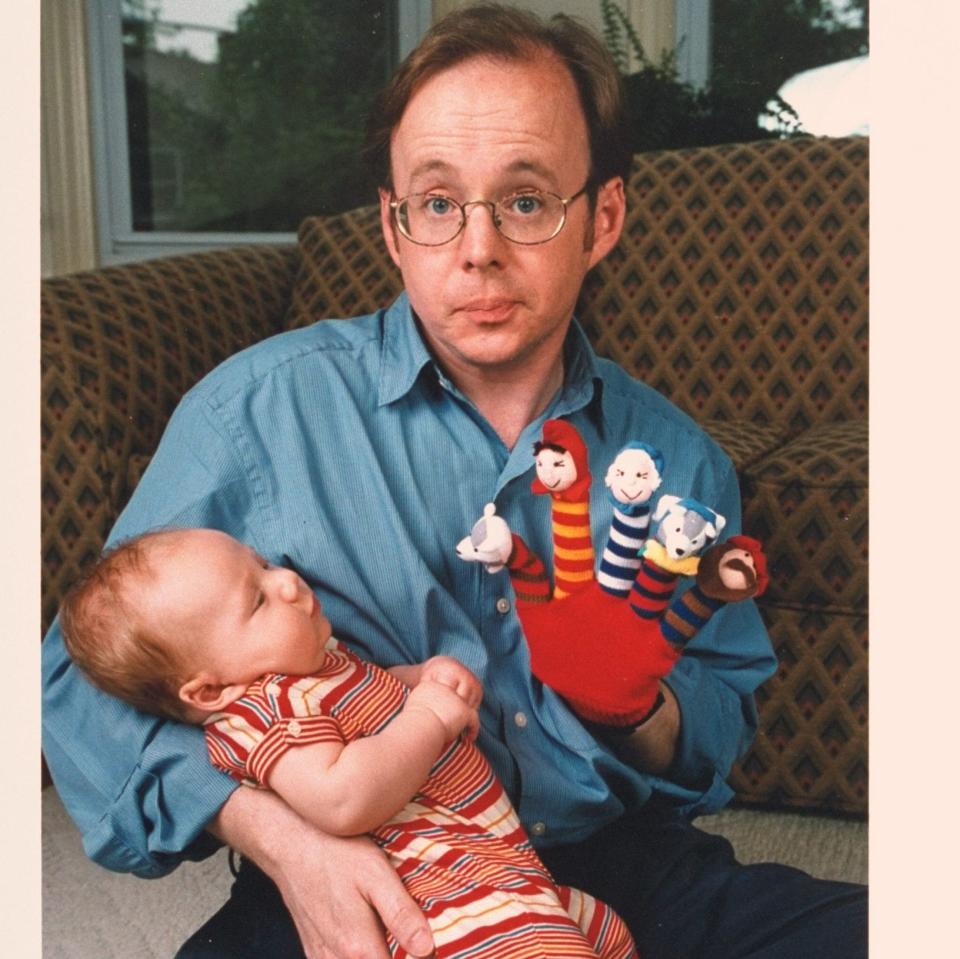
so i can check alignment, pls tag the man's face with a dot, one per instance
(481, 130)
(235, 616)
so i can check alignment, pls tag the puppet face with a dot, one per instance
(489, 542)
(737, 569)
(556, 469)
(632, 477)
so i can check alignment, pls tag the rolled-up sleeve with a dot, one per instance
(141, 789)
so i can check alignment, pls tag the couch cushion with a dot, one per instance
(739, 286)
(345, 269)
(745, 442)
(120, 347)
(811, 749)
(807, 501)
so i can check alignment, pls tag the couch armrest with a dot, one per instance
(119, 348)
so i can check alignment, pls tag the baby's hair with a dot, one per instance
(108, 637)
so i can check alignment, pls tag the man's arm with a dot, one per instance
(708, 717)
(653, 745)
(341, 892)
(140, 788)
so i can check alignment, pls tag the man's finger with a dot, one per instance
(402, 917)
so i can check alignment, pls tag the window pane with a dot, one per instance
(760, 45)
(247, 115)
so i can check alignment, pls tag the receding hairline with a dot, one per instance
(530, 52)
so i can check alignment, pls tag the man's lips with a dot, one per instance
(487, 310)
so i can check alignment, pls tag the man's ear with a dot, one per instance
(608, 218)
(208, 696)
(388, 226)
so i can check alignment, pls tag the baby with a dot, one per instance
(195, 626)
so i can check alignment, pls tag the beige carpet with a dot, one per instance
(89, 913)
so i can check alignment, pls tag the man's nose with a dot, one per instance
(481, 243)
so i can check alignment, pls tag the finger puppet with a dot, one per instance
(605, 645)
(563, 474)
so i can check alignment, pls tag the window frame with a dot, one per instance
(118, 242)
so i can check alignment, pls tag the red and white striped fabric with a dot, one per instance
(457, 845)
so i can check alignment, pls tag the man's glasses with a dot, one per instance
(527, 216)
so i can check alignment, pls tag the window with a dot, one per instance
(225, 121)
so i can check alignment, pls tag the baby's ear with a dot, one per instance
(209, 696)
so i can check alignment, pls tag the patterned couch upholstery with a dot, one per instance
(739, 290)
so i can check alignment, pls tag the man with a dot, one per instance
(359, 453)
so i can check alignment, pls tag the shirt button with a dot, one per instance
(520, 719)
(538, 828)
(273, 689)
(294, 728)
(503, 605)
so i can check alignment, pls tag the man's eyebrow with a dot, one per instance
(520, 165)
(431, 166)
(532, 166)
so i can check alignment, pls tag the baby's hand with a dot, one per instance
(455, 714)
(450, 672)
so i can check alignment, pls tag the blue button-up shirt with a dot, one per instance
(342, 451)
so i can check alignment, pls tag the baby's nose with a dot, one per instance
(289, 587)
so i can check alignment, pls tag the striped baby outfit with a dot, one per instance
(457, 845)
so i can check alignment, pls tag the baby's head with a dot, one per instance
(180, 622)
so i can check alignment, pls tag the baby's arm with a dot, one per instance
(350, 789)
(444, 670)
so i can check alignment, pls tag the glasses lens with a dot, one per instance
(429, 218)
(530, 216)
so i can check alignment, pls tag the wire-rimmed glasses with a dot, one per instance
(527, 217)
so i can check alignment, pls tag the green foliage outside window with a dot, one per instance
(269, 132)
(757, 45)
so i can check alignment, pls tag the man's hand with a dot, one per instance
(653, 745)
(341, 893)
(449, 708)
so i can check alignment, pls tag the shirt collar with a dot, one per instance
(404, 352)
(405, 355)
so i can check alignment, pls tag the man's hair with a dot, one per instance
(106, 634)
(505, 33)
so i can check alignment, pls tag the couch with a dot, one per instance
(739, 289)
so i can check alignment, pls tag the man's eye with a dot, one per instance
(438, 205)
(641, 475)
(559, 464)
(524, 204)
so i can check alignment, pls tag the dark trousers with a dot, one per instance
(680, 890)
